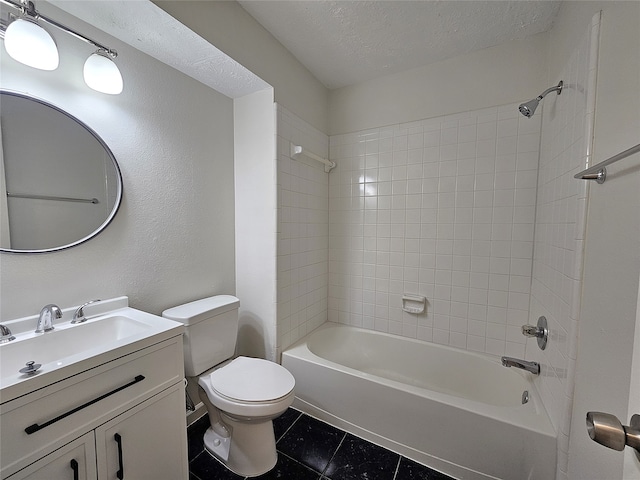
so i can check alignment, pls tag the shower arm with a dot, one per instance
(557, 88)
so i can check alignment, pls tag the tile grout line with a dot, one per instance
(290, 426)
(334, 454)
(295, 461)
(395, 474)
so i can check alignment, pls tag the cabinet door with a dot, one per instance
(148, 442)
(75, 461)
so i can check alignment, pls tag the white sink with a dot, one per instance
(70, 348)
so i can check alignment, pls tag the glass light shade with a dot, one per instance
(28, 43)
(101, 74)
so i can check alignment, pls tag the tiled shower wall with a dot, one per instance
(560, 227)
(303, 226)
(443, 208)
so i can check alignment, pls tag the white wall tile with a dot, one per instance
(454, 200)
(303, 225)
(567, 126)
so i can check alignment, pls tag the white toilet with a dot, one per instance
(242, 396)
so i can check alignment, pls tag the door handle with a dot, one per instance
(607, 430)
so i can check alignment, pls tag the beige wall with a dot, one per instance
(508, 73)
(232, 30)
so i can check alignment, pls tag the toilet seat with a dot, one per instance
(250, 387)
(252, 380)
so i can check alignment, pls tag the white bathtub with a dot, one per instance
(458, 412)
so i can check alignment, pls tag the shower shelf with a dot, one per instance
(415, 304)
(599, 172)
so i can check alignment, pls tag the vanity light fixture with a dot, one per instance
(101, 74)
(28, 43)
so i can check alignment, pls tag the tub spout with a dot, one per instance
(533, 367)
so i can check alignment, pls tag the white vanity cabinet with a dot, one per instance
(143, 442)
(67, 430)
(76, 460)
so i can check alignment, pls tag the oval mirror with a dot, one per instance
(60, 185)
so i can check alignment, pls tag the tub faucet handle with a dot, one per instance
(540, 331)
(531, 331)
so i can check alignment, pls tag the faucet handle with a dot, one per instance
(6, 335)
(541, 332)
(531, 331)
(78, 315)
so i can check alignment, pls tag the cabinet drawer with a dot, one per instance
(68, 409)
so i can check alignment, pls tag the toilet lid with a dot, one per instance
(252, 380)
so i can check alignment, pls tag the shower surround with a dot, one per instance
(446, 207)
(442, 207)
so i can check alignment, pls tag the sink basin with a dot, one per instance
(66, 341)
(72, 348)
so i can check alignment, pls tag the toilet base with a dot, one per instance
(250, 450)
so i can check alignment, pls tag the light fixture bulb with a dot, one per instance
(101, 74)
(28, 43)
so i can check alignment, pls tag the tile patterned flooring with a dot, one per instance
(309, 449)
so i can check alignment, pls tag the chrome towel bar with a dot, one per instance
(598, 172)
(50, 197)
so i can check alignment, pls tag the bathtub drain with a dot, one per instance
(525, 397)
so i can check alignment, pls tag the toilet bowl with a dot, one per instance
(242, 396)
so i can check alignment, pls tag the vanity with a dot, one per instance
(107, 401)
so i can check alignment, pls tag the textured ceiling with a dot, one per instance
(347, 42)
(340, 42)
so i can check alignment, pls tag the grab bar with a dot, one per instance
(51, 197)
(598, 172)
(298, 150)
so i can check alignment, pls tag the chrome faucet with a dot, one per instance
(5, 334)
(47, 315)
(78, 315)
(533, 367)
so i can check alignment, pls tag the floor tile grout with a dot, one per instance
(334, 454)
(290, 426)
(395, 474)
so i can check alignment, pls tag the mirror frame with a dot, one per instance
(120, 186)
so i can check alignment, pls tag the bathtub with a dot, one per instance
(455, 411)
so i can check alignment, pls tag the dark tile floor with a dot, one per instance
(309, 449)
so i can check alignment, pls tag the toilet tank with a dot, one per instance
(211, 330)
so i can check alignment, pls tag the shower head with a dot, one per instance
(528, 108)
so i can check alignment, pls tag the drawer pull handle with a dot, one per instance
(35, 427)
(120, 472)
(76, 470)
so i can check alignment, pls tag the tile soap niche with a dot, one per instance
(413, 303)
